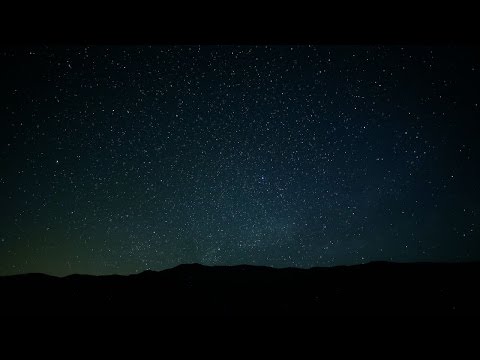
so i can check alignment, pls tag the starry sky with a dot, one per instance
(118, 159)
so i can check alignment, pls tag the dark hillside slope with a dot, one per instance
(376, 288)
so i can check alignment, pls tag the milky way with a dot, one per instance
(125, 158)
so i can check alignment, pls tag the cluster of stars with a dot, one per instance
(122, 159)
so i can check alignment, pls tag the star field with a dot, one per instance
(118, 159)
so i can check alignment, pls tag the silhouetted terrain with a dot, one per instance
(377, 288)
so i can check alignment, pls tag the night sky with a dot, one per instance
(118, 159)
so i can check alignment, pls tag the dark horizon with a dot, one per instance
(193, 266)
(119, 159)
(371, 289)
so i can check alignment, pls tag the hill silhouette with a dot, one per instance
(378, 288)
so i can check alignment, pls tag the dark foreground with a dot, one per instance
(375, 288)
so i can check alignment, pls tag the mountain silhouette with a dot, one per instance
(378, 288)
